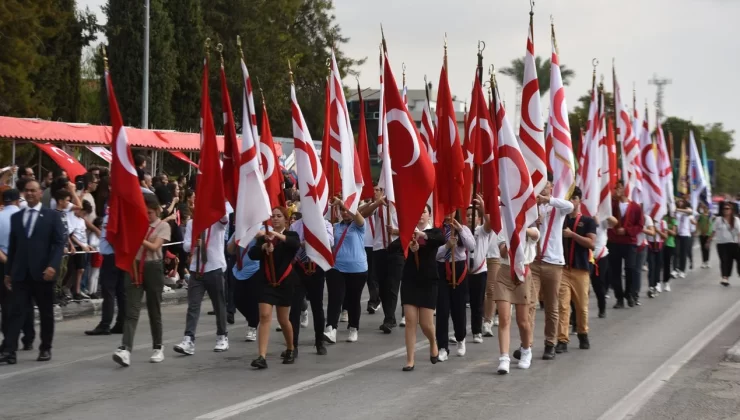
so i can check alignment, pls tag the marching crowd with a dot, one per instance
(53, 250)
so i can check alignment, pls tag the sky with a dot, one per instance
(694, 43)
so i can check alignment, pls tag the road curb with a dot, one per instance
(92, 308)
(733, 354)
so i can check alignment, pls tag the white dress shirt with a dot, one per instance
(381, 240)
(461, 252)
(216, 259)
(483, 244)
(600, 248)
(557, 210)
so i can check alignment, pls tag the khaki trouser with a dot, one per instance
(152, 285)
(575, 285)
(493, 265)
(546, 277)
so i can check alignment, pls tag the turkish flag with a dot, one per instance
(230, 170)
(413, 171)
(210, 201)
(270, 164)
(612, 145)
(450, 162)
(364, 153)
(483, 135)
(330, 166)
(128, 220)
(63, 159)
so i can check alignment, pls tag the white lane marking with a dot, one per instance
(290, 391)
(631, 403)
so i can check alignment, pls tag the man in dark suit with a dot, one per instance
(34, 254)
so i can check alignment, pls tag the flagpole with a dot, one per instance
(452, 230)
(476, 167)
(384, 49)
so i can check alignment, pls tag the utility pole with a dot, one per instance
(145, 87)
(660, 83)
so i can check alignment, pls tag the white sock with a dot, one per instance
(527, 350)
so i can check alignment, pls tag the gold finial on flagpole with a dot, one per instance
(207, 45)
(239, 45)
(262, 93)
(445, 47)
(403, 70)
(105, 57)
(554, 39)
(290, 72)
(220, 49)
(384, 47)
(594, 63)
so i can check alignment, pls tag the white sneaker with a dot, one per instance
(674, 274)
(304, 319)
(478, 338)
(344, 317)
(667, 287)
(122, 357)
(681, 275)
(525, 360)
(658, 288)
(495, 320)
(451, 339)
(645, 268)
(403, 321)
(187, 347)
(442, 355)
(503, 365)
(461, 348)
(251, 334)
(157, 356)
(222, 343)
(330, 334)
(352, 335)
(487, 329)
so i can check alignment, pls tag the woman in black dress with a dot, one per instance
(419, 287)
(275, 250)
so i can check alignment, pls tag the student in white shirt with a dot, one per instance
(484, 235)
(685, 217)
(207, 269)
(78, 236)
(655, 254)
(600, 270)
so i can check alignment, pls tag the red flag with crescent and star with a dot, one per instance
(363, 152)
(230, 169)
(271, 164)
(413, 171)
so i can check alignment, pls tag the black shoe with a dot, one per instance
(637, 301)
(549, 353)
(290, 356)
(517, 354)
(117, 329)
(630, 302)
(230, 318)
(320, 349)
(44, 356)
(386, 328)
(27, 346)
(602, 314)
(408, 368)
(370, 309)
(434, 359)
(584, 343)
(211, 313)
(284, 354)
(562, 347)
(259, 363)
(8, 358)
(619, 305)
(98, 331)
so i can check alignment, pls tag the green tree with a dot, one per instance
(516, 72)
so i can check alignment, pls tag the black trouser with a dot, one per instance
(477, 294)
(339, 284)
(246, 298)
(599, 281)
(6, 305)
(229, 286)
(684, 249)
(211, 282)
(728, 253)
(655, 262)
(617, 253)
(311, 286)
(451, 301)
(113, 290)
(703, 239)
(669, 254)
(25, 292)
(372, 281)
(388, 268)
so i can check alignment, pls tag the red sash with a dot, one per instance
(573, 241)
(341, 241)
(448, 272)
(280, 280)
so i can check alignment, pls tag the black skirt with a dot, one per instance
(281, 295)
(422, 294)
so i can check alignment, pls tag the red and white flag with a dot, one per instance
(605, 165)
(612, 144)
(518, 202)
(654, 203)
(559, 145)
(450, 161)
(253, 205)
(330, 165)
(589, 181)
(342, 142)
(386, 171)
(665, 167)
(381, 108)
(210, 203)
(413, 171)
(314, 190)
(128, 220)
(482, 132)
(230, 169)
(427, 135)
(273, 176)
(629, 143)
(531, 134)
(363, 152)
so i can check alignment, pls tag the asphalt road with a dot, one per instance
(363, 380)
